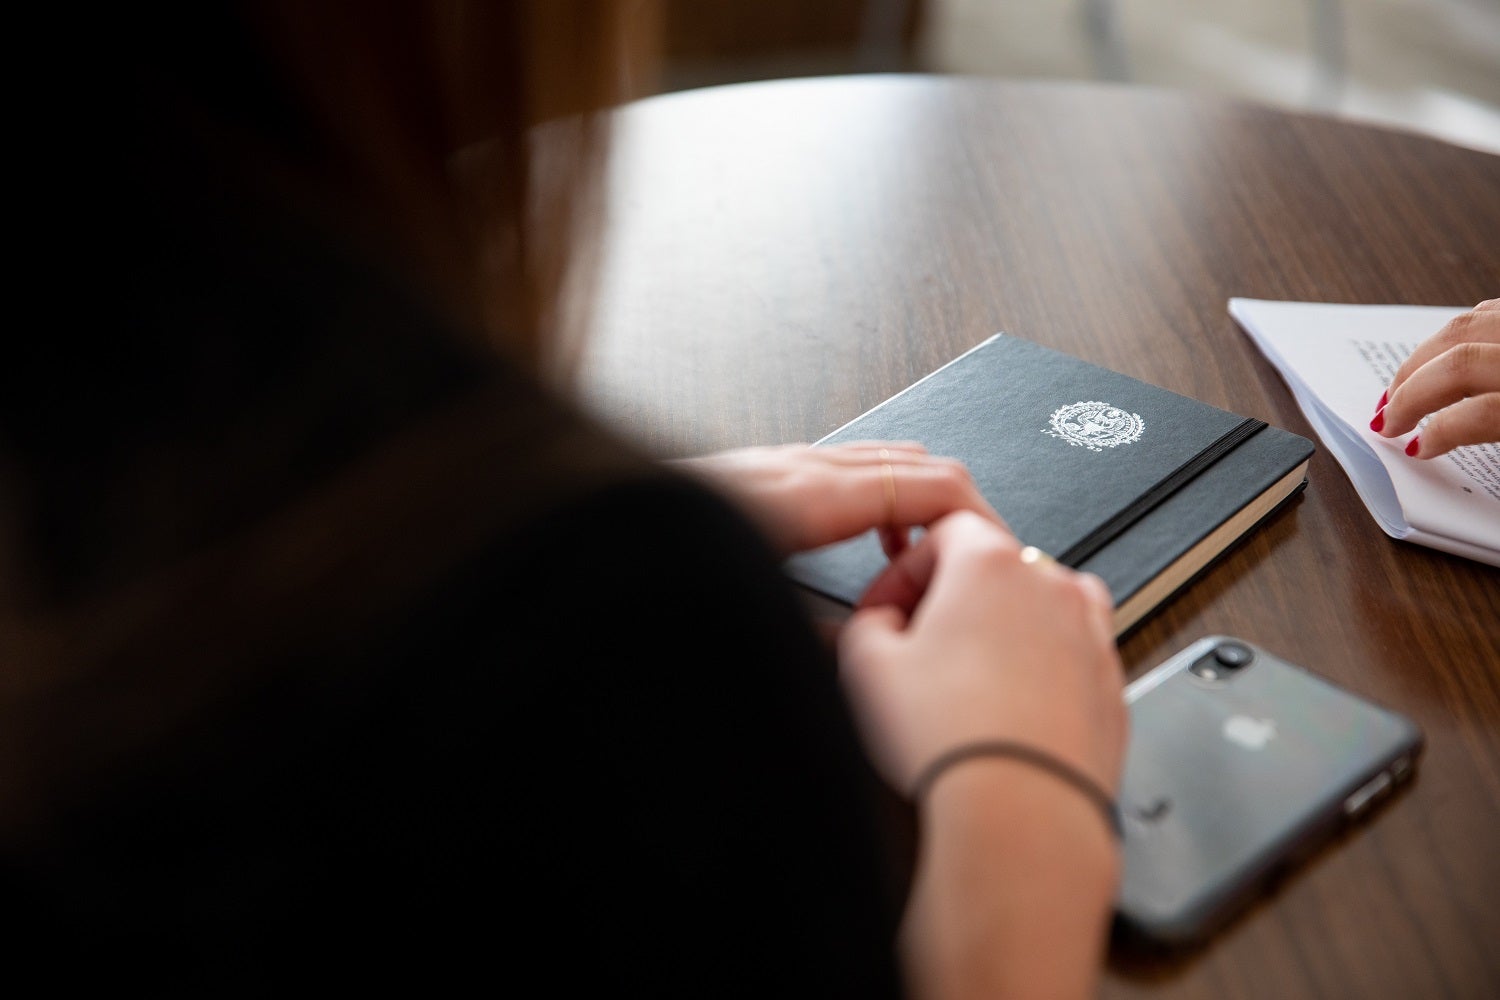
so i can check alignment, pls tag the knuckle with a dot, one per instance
(1463, 361)
(988, 547)
(1094, 590)
(991, 552)
(952, 474)
(1088, 597)
(799, 480)
(1487, 413)
(1466, 356)
(1066, 594)
(860, 633)
(1457, 329)
(965, 521)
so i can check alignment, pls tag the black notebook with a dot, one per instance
(1139, 485)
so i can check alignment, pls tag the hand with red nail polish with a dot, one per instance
(1452, 380)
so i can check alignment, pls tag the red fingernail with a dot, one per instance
(1378, 424)
(1384, 398)
(1413, 446)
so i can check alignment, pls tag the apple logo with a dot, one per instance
(1250, 733)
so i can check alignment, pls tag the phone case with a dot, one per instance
(1233, 771)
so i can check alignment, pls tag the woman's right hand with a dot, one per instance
(958, 640)
(1452, 380)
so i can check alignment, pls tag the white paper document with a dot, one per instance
(1337, 360)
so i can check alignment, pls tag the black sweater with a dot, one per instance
(515, 704)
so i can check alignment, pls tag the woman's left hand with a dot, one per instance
(805, 497)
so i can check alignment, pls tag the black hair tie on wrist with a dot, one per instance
(1027, 755)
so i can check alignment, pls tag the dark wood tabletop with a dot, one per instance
(783, 256)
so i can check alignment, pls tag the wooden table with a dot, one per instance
(783, 256)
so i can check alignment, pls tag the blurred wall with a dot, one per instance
(1426, 65)
(708, 42)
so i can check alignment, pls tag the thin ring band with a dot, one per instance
(889, 476)
(1032, 555)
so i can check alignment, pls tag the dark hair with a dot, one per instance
(410, 130)
(475, 127)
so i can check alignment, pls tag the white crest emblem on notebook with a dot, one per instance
(1095, 425)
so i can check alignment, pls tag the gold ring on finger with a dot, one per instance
(1033, 556)
(888, 474)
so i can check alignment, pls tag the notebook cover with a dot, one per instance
(1111, 474)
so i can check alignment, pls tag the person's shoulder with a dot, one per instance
(574, 510)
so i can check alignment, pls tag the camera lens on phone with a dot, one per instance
(1232, 655)
(1218, 664)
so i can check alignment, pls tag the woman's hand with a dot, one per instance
(1453, 378)
(959, 640)
(805, 497)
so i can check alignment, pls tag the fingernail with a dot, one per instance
(1378, 424)
(1413, 446)
(1384, 398)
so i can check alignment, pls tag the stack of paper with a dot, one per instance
(1337, 360)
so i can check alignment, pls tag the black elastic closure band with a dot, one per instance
(1027, 755)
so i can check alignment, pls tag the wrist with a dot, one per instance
(1016, 883)
(1031, 817)
(1031, 756)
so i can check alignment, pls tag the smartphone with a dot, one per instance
(1239, 763)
